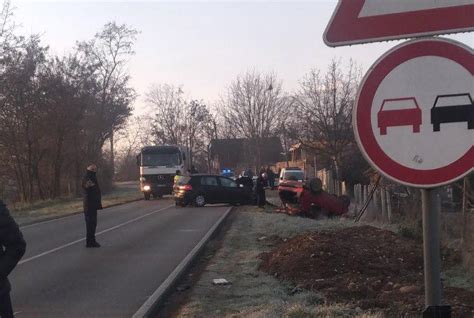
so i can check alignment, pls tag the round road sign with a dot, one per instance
(414, 114)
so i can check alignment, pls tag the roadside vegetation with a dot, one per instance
(268, 259)
(121, 192)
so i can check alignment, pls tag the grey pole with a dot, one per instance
(383, 203)
(389, 206)
(431, 246)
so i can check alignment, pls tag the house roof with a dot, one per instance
(232, 152)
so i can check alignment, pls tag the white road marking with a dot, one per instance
(381, 7)
(97, 234)
(59, 218)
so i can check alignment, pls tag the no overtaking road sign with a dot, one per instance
(414, 114)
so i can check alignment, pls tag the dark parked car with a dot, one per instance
(201, 189)
(454, 108)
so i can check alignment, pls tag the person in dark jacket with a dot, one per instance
(271, 178)
(260, 189)
(12, 249)
(92, 203)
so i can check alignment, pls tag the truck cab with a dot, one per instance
(158, 166)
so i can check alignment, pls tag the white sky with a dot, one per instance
(203, 45)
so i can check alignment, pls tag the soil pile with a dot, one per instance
(364, 266)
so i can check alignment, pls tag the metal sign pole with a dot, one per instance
(431, 206)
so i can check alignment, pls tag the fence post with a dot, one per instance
(389, 205)
(376, 202)
(384, 205)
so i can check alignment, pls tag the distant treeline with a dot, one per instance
(56, 112)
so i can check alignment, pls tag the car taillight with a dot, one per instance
(185, 187)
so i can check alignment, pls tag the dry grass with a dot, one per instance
(42, 210)
(254, 293)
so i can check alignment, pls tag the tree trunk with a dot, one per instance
(112, 157)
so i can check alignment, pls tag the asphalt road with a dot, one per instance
(142, 243)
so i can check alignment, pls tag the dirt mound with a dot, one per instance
(364, 266)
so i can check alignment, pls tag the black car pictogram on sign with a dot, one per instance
(453, 108)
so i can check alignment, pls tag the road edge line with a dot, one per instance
(150, 304)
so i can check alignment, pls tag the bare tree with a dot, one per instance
(168, 103)
(255, 106)
(324, 104)
(108, 53)
(7, 26)
(130, 139)
(178, 121)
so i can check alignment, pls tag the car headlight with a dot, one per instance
(146, 188)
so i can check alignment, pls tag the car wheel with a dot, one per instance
(146, 195)
(199, 200)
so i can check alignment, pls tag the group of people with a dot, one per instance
(265, 179)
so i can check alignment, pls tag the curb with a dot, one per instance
(147, 309)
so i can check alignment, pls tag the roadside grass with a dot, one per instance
(253, 293)
(457, 276)
(122, 192)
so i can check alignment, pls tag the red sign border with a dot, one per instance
(345, 21)
(363, 131)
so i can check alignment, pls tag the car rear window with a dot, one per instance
(293, 175)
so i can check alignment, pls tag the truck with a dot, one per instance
(158, 166)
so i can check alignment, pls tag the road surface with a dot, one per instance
(142, 243)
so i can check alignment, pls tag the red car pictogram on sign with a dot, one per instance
(406, 113)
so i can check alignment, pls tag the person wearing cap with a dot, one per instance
(12, 249)
(92, 203)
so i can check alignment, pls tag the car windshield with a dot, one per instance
(294, 175)
(408, 103)
(459, 100)
(161, 159)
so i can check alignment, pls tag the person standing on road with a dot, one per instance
(177, 176)
(271, 178)
(12, 249)
(193, 170)
(92, 203)
(260, 189)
